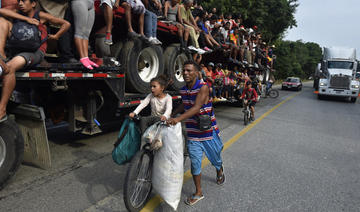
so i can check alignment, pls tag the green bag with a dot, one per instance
(128, 142)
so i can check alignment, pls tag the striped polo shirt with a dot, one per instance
(192, 127)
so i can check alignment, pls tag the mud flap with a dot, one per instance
(31, 122)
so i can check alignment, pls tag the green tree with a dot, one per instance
(295, 58)
(272, 17)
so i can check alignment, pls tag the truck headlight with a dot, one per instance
(355, 86)
(323, 84)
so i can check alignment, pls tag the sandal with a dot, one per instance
(221, 180)
(195, 199)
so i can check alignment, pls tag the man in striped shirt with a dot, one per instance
(195, 102)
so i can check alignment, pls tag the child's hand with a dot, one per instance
(131, 115)
(163, 118)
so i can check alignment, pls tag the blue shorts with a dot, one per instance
(212, 149)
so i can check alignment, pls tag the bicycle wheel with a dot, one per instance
(137, 185)
(246, 117)
(273, 93)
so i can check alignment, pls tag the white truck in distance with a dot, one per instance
(338, 70)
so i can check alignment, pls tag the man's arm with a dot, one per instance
(64, 25)
(201, 99)
(14, 15)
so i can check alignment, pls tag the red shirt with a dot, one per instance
(249, 94)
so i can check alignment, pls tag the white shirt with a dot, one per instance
(159, 107)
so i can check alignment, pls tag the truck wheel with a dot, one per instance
(11, 150)
(353, 99)
(174, 63)
(320, 97)
(141, 63)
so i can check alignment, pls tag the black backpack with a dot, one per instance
(25, 37)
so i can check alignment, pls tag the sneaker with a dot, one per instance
(207, 49)
(192, 48)
(252, 118)
(216, 99)
(158, 41)
(108, 39)
(133, 35)
(200, 51)
(152, 41)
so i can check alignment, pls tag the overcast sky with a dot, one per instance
(328, 23)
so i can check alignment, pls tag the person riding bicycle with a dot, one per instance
(269, 84)
(250, 96)
(161, 103)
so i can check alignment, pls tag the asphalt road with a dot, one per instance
(303, 156)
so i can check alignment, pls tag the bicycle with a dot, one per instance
(271, 92)
(137, 184)
(247, 113)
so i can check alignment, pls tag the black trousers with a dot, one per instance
(66, 41)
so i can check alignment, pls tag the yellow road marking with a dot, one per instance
(154, 202)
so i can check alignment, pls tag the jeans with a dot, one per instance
(150, 25)
(211, 148)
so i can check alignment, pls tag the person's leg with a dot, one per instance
(147, 24)
(127, 9)
(80, 13)
(195, 150)
(5, 28)
(193, 36)
(180, 34)
(207, 40)
(212, 149)
(65, 43)
(141, 23)
(154, 24)
(213, 41)
(252, 109)
(226, 91)
(186, 35)
(108, 16)
(9, 82)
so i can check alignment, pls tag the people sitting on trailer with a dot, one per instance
(26, 46)
(153, 9)
(172, 13)
(206, 39)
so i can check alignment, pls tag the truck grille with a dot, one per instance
(341, 82)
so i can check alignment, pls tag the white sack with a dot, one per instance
(168, 167)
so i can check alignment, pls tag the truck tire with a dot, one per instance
(11, 150)
(174, 62)
(141, 63)
(320, 97)
(353, 99)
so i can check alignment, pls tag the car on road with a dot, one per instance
(292, 83)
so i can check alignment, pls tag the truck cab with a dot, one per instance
(338, 74)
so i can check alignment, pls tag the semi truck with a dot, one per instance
(337, 73)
